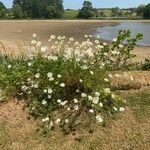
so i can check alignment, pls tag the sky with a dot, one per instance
(76, 4)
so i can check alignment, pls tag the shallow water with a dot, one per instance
(110, 32)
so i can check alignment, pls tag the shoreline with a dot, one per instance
(19, 32)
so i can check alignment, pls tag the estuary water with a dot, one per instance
(110, 32)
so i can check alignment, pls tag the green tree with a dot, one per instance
(87, 10)
(3, 13)
(140, 10)
(17, 11)
(116, 12)
(146, 12)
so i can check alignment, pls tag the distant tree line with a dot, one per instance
(54, 9)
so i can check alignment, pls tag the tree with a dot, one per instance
(41, 8)
(116, 12)
(17, 11)
(87, 10)
(3, 13)
(2, 6)
(146, 12)
(140, 10)
(102, 14)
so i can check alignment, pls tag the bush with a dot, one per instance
(66, 83)
(146, 65)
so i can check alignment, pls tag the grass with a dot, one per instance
(70, 14)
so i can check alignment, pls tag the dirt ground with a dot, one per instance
(15, 35)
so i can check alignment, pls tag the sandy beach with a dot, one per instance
(15, 34)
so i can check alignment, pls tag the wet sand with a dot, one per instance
(14, 33)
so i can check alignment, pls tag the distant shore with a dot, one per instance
(15, 32)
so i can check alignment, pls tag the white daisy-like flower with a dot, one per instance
(107, 90)
(45, 119)
(91, 72)
(68, 109)
(101, 104)
(80, 80)
(37, 75)
(49, 74)
(121, 109)
(75, 101)
(59, 101)
(34, 35)
(49, 96)
(36, 86)
(59, 76)
(45, 90)
(91, 110)
(83, 95)
(29, 64)
(62, 85)
(43, 49)
(9, 66)
(24, 88)
(51, 79)
(121, 46)
(76, 107)
(90, 98)
(44, 102)
(66, 120)
(99, 118)
(106, 80)
(49, 90)
(115, 108)
(114, 40)
(97, 93)
(58, 120)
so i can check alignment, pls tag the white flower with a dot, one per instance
(80, 80)
(45, 119)
(34, 35)
(106, 80)
(101, 104)
(58, 121)
(52, 37)
(51, 124)
(114, 40)
(75, 101)
(68, 109)
(59, 76)
(107, 90)
(90, 98)
(36, 86)
(104, 44)
(66, 120)
(33, 42)
(64, 103)
(45, 91)
(86, 36)
(121, 46)
(24, 88)
(91, 72)
(95, 100)
(110, 75)
(39, 44)
(62, 85)
(112, 96)
(9, 66)
(71, 39)
(97, 93)
(50, 91)
(83, 95)
(91, 110)
(84, 67)
(49, 74)
(59, 101)
(51, 79)
(121, 109)
(37, 75)
(115, 109)
(44, 102)
(29, 64)
(99, 118)
(43, 49)
(76, 107)
(49, 96)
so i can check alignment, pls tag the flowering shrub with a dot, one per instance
(66, 83)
